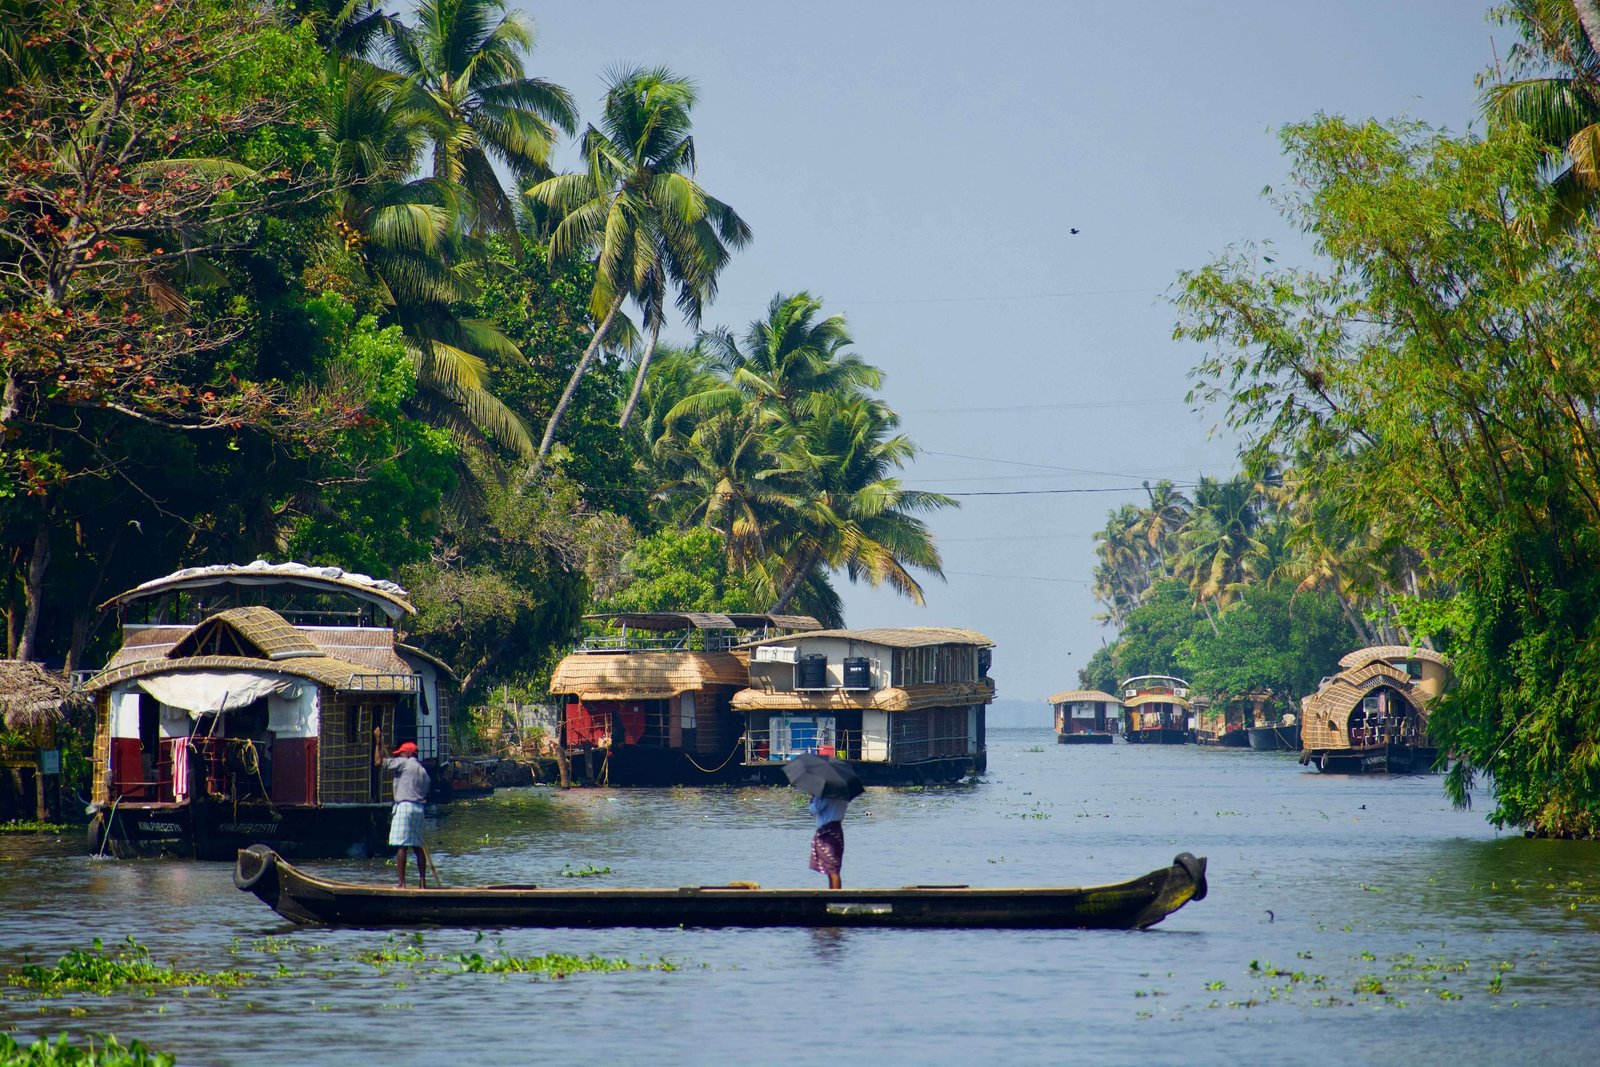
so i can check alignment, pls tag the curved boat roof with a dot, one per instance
(385, 594)
(1389, 653)
(1164, 678)
(1077, 696)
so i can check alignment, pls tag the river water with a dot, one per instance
(1348, 918)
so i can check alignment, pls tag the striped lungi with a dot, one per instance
(405, 827)
(827, 848)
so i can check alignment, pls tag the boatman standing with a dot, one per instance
(410, 793)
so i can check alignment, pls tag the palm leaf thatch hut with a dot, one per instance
(38, 707)
(1372, 716)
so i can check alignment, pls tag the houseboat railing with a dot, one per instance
(684, 642)
(904, 745)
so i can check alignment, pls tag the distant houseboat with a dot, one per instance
(1372, 717)
(1226, 723)
(241, 706)
(1156, 707)
(649, 701)
(1281, 736)
(1085, 717)
(902, 705)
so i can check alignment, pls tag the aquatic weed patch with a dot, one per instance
(33, 826)
(413, 952)
(95, 970)
(588, 870)
(101, 1051)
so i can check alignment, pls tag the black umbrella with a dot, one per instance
(821, 776)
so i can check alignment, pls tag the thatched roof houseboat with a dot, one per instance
(241, 707)
(1372, 716)
(901, 704)
(1156, 707)
(647, 700)
(1086, 716)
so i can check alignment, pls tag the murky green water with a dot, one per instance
(1348, 918)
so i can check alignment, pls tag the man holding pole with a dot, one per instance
(410, 794)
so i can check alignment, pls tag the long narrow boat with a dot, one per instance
(305, 898)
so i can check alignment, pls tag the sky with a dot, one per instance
(920, 167)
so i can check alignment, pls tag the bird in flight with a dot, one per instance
(1073, 229)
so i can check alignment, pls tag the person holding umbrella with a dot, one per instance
(832, 786)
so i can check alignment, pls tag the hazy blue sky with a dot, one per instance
(919, 167)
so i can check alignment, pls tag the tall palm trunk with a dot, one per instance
(638, 379)
(572, 383)
(796, 579)
(1589, 19)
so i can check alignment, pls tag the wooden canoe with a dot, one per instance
(305, 898)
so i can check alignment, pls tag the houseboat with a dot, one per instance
(901, 705)
(241, 707)
(1372, 716)
(647, 698)
(1280, 736)
(1085, 717)
(1156, 708)
(1226, 723)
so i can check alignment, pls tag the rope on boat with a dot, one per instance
(737, 745)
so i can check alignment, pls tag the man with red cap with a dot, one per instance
(410, 793)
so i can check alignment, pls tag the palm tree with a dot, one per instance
(464, 64)
(1554, 89)
(638, 209)
(1122, 577)
(789, 363)
(1159, 524)
(851, 514)
(1219, 539)
(405, 231)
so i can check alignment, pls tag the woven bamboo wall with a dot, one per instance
(1342, 694)
(102, 748)
(344, 750)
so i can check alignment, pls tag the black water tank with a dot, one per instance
(811, 673)
(858, 673)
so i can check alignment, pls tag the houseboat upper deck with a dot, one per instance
(901, 704)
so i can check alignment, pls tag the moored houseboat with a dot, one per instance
(1085, 717)
(902, 705)
(1156, 710)
(241, 707)
(1372, 716)
(648, 700)
(1225, 723)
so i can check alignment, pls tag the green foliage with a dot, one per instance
(1271, 641)
(683, 570)
(1441, 369)
(1156, 630)
(109, 1052)
(1101, 670)
(95, 970)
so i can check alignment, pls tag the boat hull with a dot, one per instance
(1087, 737)
(218, 831)
(1275, 738)
(1165, 736)
(1382, 759)
(305, 898)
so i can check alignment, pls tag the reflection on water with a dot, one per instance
(1330, 886)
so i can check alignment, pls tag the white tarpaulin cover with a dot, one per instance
(211, 691)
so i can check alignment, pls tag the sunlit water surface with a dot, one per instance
(1385, 914)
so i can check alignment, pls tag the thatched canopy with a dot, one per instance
(1343, 693)
(1389, 654)
(337, 674)
(31, 696)
(898, 698)
(1084, 696)
(645, 675)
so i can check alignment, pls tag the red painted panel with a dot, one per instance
(127, 770)
(590, 724)
(294, 770)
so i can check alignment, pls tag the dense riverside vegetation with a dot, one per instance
(297, 280)
(1420, 419)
